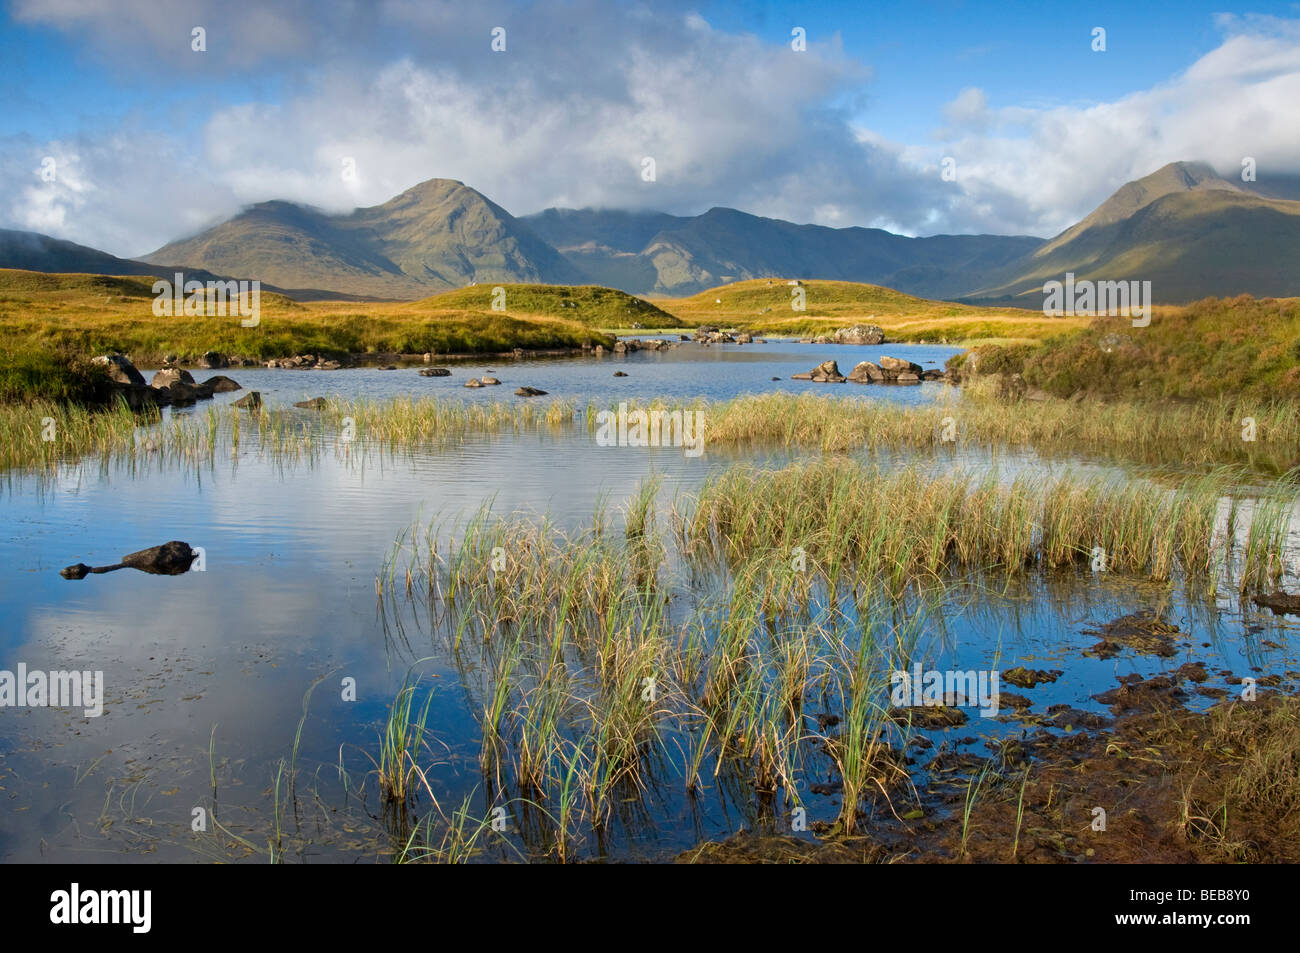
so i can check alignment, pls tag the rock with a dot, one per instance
(142, 397)
(428, 357)
(801, 377)
(435, 372)
(171, 375)
(181, 394)
(530, 392)
(220, 384)
(488, 381)
(745, 338)
(866, 373)
(252, 400)
(822, 339)
(827, 372)
(315, 403)
(324, 365)
(1279, 602)
(473, 382)
(619, 374)
(121, 370)
(860, 334)
(620, 347)
(170, 559)
(893, 366)
(1033, 393)
(600, 349)
(934, 374)
(170, 359)
(683, 337)
(389, 367)
(776, 378)
(212, 359)
(706, 329)
(907, 378)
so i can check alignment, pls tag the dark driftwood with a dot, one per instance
(169, 559)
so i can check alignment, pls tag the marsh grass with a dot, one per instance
(1189, 434)
(597, 678)
(1193, 435)
(877, 527)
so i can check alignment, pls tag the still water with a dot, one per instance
(207, 675)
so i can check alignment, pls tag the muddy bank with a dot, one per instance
(1154, 784)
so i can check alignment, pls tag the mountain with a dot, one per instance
(437, 235)
(645, 253)
(1185, 229)
(32, 251)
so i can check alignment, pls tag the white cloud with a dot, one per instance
(565, 116)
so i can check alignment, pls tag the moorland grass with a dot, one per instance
(1212, 349)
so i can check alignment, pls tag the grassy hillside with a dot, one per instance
(764, 305)
(57, 320)
(1217, 346)
(589, 305)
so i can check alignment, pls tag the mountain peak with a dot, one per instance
(1182, 176)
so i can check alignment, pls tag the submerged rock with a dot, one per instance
(530, 392)
(1280, 602)
(1023, 677)
(435, 371)
(252, 400)
(220, 384)
(315, 403)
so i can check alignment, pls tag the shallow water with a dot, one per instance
(223, 658)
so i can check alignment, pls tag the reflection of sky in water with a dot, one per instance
(288, 596)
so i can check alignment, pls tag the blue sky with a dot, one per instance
(153, 140)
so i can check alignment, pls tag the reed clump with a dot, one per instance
(597, 674)
(865, 523)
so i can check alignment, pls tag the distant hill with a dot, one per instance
(653, 253)
(32, 251)
(437, 235)
(589, 305)
(1189, 232)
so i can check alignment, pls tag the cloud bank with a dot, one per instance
(400, 92)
